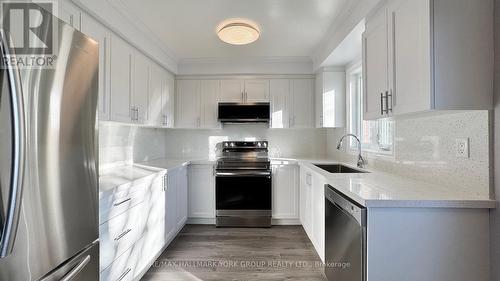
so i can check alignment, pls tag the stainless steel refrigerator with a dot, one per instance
(48, 163)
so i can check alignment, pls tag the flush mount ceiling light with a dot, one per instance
(238, 32)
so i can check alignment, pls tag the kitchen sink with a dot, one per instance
(338, 169)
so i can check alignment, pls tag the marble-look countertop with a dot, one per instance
(372, 189)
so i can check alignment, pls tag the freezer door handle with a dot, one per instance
(10, 220)
(75, 270)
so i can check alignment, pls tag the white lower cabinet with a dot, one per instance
(201, 192)
(312, 208)
(285, 192)
(131, 241)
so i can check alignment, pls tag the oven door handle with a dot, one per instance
(243, 173)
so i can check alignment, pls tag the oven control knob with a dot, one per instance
(265, 144)
(226, 144)
(259, 144)
(232, 144)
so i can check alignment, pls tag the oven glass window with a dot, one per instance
(243, 193)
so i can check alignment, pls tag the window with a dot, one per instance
(376, 136)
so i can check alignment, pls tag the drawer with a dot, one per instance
(127, 266)
(121, 232)
(112, 205)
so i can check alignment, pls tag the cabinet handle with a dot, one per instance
(121, 202)
(124, 274)
(387, 95)
(198, 122)
(165, 119)
(165, 182)
(123, 234)
(381, 103)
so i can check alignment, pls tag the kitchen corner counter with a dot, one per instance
(379, 189)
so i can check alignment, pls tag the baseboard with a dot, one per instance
(201, 221)
(274, 221)
(286, 222)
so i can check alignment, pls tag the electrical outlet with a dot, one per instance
(462, 148)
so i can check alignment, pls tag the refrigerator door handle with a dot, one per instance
(11, 217)
(75, 270)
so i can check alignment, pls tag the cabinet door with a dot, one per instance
(155, 236)
(70, 14)
(302, 100)
(156, 96)
(280, 103)
(98, 32)
(140, 95)
(257, 90)
(318, 214)
(318, 100)
(201, 191)
(375, 65)
(209, 91)
(120, 82)
(285, 192)
(171, 205)
(409, 67)
(168, 100)
(305, 200)
(333, 99)
(182, 196)
(188, 104)
(231, 91)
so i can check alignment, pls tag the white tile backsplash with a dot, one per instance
(424, 149)
(424, 146)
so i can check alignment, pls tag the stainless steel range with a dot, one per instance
(243, 185)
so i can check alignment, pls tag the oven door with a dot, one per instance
(243, 190)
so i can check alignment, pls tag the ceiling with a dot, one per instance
(289, 28)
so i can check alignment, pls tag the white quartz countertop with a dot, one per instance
(379, 189)
(372, 189)
(122, 176)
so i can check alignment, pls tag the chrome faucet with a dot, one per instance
(361, 161)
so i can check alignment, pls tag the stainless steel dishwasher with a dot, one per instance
(345, 237)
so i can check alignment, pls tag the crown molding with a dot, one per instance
(114, 15)
(245, 65)
(354, 13)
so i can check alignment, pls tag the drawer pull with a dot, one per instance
(124, 274)
(123, 234)
(124, 201)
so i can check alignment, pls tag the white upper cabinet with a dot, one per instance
(140, 82)
(330, 99)
(209, 93)
(197, 103)
(188, 113)
(375, 65)
(280, 103)
(168, 100)
(244, 91)
(120, 82)
(70, 14)
(155, 96)
(302, 103)
(161, 97)
(232, 90)
(428, 55)
(292, 103)
(409, 64)
(98, 32)
(256, 90)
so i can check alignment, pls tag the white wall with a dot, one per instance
(495, 214)
(424, 149)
